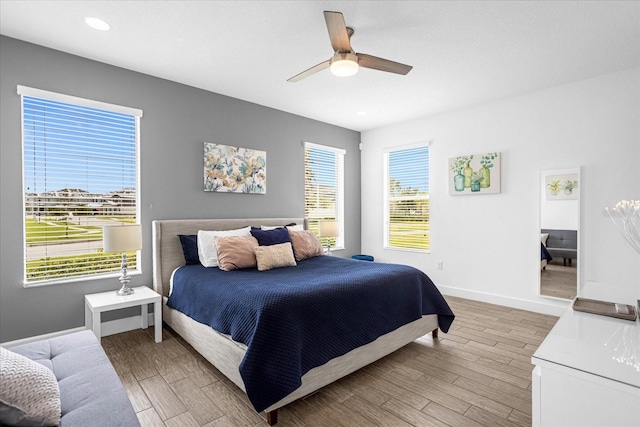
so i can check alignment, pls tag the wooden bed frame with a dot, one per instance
(226, 354)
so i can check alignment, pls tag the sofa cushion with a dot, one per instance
(562, 243)
(29, 395)
(90, 391)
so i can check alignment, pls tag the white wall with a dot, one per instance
(490, 243)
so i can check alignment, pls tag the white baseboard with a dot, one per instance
(551, 307)
(111, 327)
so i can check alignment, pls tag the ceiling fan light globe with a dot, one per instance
(344, 64)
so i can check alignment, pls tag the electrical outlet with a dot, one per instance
(440, 265)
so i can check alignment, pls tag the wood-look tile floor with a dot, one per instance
(559, 281)
(478, 374)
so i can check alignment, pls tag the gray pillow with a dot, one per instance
(29, 395)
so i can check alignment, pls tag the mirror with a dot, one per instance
(560, 232)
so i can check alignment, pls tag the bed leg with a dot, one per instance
(272, 417)
(434, 333)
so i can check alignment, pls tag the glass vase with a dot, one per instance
(458, 182)
(486, 177)
(467, 172)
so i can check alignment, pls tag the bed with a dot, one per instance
(545, 256)
(232, 358)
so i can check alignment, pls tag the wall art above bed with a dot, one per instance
(474, 174)
(230, 169)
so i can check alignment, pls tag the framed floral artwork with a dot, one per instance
(230, 169)
(474, 174)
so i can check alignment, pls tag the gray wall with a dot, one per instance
(177, 120)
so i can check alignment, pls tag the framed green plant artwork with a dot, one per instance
(474, 174)
(561, 187)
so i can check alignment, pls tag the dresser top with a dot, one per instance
(600, 345)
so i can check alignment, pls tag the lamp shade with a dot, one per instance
(122, 238)
(329, 228)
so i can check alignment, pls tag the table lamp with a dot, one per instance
(329, 229)
(122, 238)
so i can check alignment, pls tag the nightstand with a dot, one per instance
(95, 304)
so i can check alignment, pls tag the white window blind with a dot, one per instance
(324, 188)
(80, 172)
(407, 222)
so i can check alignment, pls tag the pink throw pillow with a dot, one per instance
(305, 244)
(236, 252)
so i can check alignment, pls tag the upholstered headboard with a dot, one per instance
(167, 250)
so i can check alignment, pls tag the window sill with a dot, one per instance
(420, 251)
(114, 275)
(332, 249)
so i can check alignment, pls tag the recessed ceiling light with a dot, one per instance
(97, 23)
(361, 113)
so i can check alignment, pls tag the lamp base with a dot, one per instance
(328, 253)
(124, 278)
(124, 290)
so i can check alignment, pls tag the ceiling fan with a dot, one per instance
(345, 62)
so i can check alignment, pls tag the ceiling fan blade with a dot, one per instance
(306, 73)
(381, 64)
(337, 31)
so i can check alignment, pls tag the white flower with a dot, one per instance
(626, 216)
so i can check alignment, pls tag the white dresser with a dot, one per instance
(587, 373)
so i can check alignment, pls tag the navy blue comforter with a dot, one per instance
(544, 253)
(294, 319)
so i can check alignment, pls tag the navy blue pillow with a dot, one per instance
(271, 237)
(190, 248)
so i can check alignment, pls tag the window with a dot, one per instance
(80, 172)
(324, 188)
(407, 198)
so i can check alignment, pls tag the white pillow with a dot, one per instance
(207, 251)
(543, 238)
(297, 227)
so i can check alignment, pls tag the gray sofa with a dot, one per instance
(562, 244)
(91, 393)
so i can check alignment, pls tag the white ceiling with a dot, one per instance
(463, 53)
